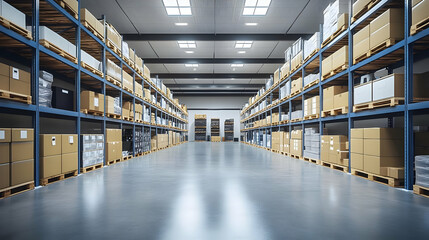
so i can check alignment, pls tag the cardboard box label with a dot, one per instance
(96, 102)
(2, 134)
(23, 134)
(64, 91)
(54, 141)
(15, 73)
(70, 139)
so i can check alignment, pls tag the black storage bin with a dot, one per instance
(62, 98)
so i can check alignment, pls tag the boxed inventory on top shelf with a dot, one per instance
(335, 17)
(90, 22)
(419, 15)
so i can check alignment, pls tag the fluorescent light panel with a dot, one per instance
(251, 24)
(241, 52)
(178, 7)
(194, 65)
(256, 7)
(187, 44)
(181, 24)
(243, 44)
(189, 52)
(234, 65)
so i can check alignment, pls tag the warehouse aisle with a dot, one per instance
(215, 191)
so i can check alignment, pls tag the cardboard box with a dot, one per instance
(419, 11)
(340, 58)
(138, 89)
(5, 135)
(276, 77)
(383, 133)
(356, 133)
(4, 77)
(388, 87)
(4, 153)
(20, 151)
(357, 145)
(391, 15)
(327, 65)
(341, 100)
(362, 93)
(383, 147)
(360, 5)
(329, 93)
(110, 105)
(69, 162)
(21, 172)
(4, 175)
(50, 144)
(86, 16)
(374, 164)
(113, 135)
(19, 81)
(396, 172)
(69, 143)
(296, 134)
(127, 81)
(22, 134)
(5, 70)
(92, 101)
(50, 166)
(343, 21)
(296, 85)
(113, 151)
(357, 161)
(113, 36)
(383, 28)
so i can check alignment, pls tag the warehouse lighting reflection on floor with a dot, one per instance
(236, 219)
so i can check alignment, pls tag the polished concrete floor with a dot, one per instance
(215, 191)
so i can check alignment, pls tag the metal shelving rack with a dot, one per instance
(407, 110)
(35, 111)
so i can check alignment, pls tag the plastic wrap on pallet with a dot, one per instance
(117, 105)
(90, 60)
(311, 44)
(331, 14)
(92, 149)
(297, 47)
(296, 114)
(125, 50)
(422, 170)
(113, 70)
(12, 14)
(269, 83)
(46, 76)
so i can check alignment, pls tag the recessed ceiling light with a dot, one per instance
(243, 44)
(241, 52)
(189, 52)
(235, 65)
(187, 44)
(194, 65)
(178, 7)
(251, 24)
(181, 24)
(256, 7)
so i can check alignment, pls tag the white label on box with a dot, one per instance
(24, 134)
(64, 91)
(96, 102)
(15, 73)
(71, 139)
(2, 134)
(54, 142)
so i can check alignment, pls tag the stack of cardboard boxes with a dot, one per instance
(335, 97)
(88, 19)
(387, 26)
(296, 85)
(312, 143)
(113, 144)
(138, 111)
(419, 13)
(335, 17)
(127, 110)
(92, 101)
(334, 149)
(278, 141)
(127, 82)
(58, 154)
(113, 105)
(312, 106)
(15, 80)
(17, 156)
(296, 143)
(335, 62)
(383, 151)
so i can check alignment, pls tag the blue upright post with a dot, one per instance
(77, 87)
(350, 122)
(35, 77)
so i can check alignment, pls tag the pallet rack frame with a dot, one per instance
(34, 110)
(407, 110)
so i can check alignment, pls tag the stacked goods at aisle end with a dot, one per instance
(215, 130)
(92, 152)
(200, 127)
(113, 146)
(229, 129)
(335, 20)
(312, 143)
(334, 152)
(296, 143)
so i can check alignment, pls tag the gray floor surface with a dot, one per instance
(205, 191)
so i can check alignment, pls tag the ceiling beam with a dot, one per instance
(213, 37)
(214, 60)
(213, 75)
(213, 86)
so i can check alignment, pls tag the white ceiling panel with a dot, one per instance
(143, 49)
(311, 18)
(193, 81)
(170, 49)
(247, 68)
(279, 50)
(258, 81)
(157, 68)
(259, 49)
(231, 81)
(181, 68)
(168, 81)
(269, 68)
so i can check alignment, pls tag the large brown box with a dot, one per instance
(383, 133)
(50, 144)
(360, 5)
(139, 108)
(69, 162)
(113, 135)
(327, 65)
(4, 175)
(357, 161)
(86, 16)
(296, 85)
(389, 25)
(361, 42)
(5, 135)
(20, 81)
(329, 93)
(357, 145)
(21, 172)
(374, 164)
(92, 101)
(4, 77)
(127, 81)
(69, 143)
(22, 134)
(110, 105)
(50, 166)
(276, 77)
(20, 151)
(112, 35)
(383, 147)
(340, 58)
(396, 172)
(356, 133)
(5, 70)
(113, 150)
(343, 21)
(4, 153)
(420, 12)
(296, 134)
(341, 100)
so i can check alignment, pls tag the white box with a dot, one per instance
(311, 44)
(384, 88)
(47, 34)
(90, 60)
(362, 93)
(12, 14)
(125, 50)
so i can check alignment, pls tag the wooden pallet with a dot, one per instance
(275, 151)
(138, 95)
(422, 191)
(335, 166)
(295, 156)
(68, 8)
(419, 26)
(113, 81)
(380, 47)
(91, 69)
(108, 163)
(128, 118)
(313, 116)
(315, 161)
(128, 89)
(311, 54)
(127, 158)
(15, 96)
(138, 121)
(284, 153)
(295, 93)
(296, 68)
(392, 182)
(57, 178)
(361, 57)
(12, 26)
(92, 112)
(91, 168)
(58, 50)
(20, 188)
(334, 35)
(296, 120)
(115, 116)
(113, 47)
(315, 82)
(92, 29)
(364, 10)
(335, 71)
(390, 102)
(335, 112)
